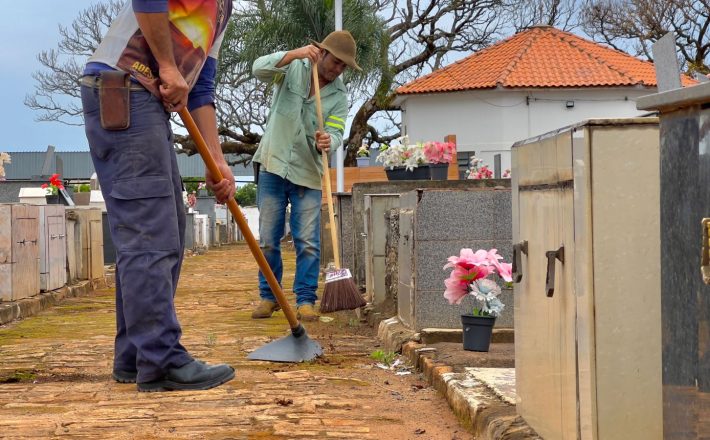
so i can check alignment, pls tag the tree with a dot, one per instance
(398, 41)
(246, 195)
(57, 93)
(633, 26)
(561, 14)
(262, 27)
(421, 36)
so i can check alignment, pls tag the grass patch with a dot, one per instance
(19, 376)
(385, 357)
(78, 318)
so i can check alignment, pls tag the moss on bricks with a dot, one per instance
(18, 376)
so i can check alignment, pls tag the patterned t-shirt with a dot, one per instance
(197, 28)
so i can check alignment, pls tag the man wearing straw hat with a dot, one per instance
(289, 158)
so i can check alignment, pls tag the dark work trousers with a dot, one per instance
(142, 188)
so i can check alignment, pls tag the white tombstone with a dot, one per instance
(52, 247)
(94, 182)
(97, 200)
(33, 196)
(202, 223)
(251, 214)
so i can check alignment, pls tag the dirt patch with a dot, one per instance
(72, 377)
(408, 408)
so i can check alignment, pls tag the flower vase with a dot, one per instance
(82, 198)
(52, 199)
(402, 173)
(363, 161)
(439, 171)
(477, 332)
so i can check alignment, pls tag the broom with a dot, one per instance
(340, 292)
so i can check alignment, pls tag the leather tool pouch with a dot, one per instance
(115, 100)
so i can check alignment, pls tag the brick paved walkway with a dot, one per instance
(55, 373)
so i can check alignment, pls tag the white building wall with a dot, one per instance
(491, 121)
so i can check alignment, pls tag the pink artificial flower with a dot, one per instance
(505, 270)
(468, 259)
(493, 256)
(455, 291)
(467, 276)
(470, 273)
(459, 282)
(439, 152)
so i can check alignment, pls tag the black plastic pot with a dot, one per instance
(439, 171)
(401, 173)
(477, 332)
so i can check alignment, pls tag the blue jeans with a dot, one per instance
(273, 196)
(142, 188)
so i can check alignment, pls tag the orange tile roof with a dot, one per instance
(540, 57)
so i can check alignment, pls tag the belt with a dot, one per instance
(94, 81)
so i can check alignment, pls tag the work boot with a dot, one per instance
(265, 309)
(307, 313)
(124, 376)
(194, 375)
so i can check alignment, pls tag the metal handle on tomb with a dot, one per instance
(519, 248)
(559, 254)
(705, 256)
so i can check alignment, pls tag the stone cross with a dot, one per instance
(666, 61)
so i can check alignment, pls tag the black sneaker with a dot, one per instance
(124, 376)
(195, 375)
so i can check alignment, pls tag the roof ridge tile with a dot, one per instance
(573, 41)
(519, 55)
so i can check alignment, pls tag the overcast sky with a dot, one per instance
(28, 28)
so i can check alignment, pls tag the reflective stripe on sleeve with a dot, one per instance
(333, 124)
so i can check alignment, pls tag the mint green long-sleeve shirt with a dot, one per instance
(287, 148)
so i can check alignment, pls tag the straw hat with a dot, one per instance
(342, 45)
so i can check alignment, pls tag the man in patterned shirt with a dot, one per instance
(157, 57)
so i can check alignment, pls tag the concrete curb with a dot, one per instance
(480, 410)
(434, 335)
(31, 306)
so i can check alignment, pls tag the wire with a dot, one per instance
(625, 98)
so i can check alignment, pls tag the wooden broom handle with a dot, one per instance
(326, 171)
(239, 217)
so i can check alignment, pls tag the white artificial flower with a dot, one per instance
(486, 292)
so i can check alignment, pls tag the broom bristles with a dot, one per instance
(341, 294)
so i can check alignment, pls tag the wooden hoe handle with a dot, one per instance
(241, 221)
